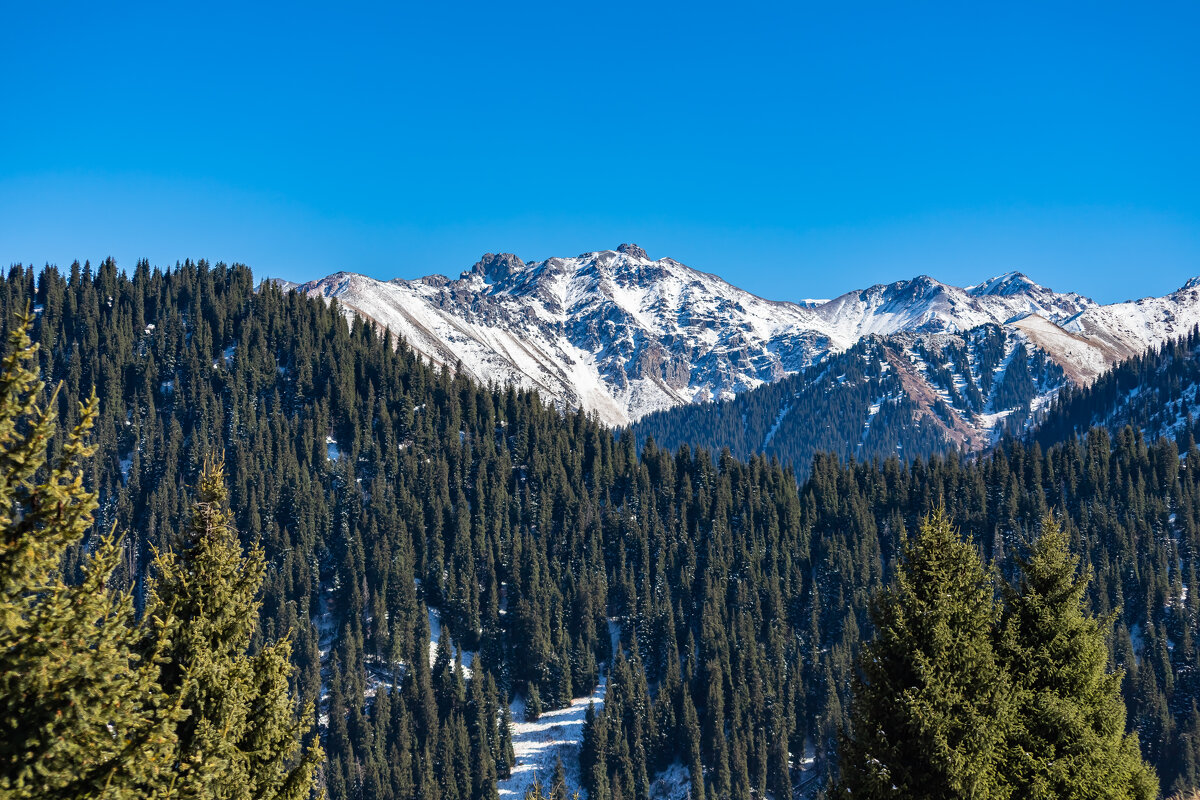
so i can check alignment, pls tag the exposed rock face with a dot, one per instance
(622, 335)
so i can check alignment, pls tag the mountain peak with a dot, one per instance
(925, 282)
(633, 251)
(1193, 283)
(1009, 283)
(496, 267)
(615, 332)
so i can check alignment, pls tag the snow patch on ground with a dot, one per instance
(539, 745)
(673, 783)
(871, 412)
(435, 637)
(324, 624)
(778, 420)
(806, 764)
(614, 634)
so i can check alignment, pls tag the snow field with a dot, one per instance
(538, 745)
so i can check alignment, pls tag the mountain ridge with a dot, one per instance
(622, 335)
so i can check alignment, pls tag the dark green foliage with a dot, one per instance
(1069, 739)
(820, 410)
(533, 703)
(1153, 392)
(81, 714)
(241, 736)
(932, 706)
(383, 489)
(951, 700)
(861, 403)
(558, 782)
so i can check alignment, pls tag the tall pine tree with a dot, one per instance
(242, 738)
(77, 704)
(931, 702)
(1069, 741)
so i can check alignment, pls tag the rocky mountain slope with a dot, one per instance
(623, 335)
(1157, 393)
(904, 394)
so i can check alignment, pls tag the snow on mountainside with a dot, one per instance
(1127, 329)
(909, 395)
(611, 331)
(622, 335)
(1157, 393)
(924, 305)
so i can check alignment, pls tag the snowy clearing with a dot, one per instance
(537, 745)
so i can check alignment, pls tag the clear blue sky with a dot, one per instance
(797, 150)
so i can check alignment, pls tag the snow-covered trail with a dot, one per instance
(537, 745)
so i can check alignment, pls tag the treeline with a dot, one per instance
(1131, 510)
(824, 409)
(1154, 392)
(381, 489)
(860, 404)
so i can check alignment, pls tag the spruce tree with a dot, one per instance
(931, 705)
(533, 703)
(78, 707)
(507, 758)
(1069, 740)
(242, 738)
(558, 782)
(691, 735)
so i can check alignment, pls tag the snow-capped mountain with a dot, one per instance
(611, 331)
(906, 394)
(623, 335)
(924, 305)
(1157, 393)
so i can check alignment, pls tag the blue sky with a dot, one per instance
(798, 150)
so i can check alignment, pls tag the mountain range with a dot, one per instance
(482, 592)
(621, 335)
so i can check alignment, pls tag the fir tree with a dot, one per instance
(558, 782)
(79, 709)
(691, 736)
(535, 791)
(1069, 740)
(547, 526)
(507, 758)
(242, 738)
(931, 703)
(533, 703)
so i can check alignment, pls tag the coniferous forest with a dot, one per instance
(367, 488)
(856, 404)
(1154, 392)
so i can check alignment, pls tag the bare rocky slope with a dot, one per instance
(623, 335)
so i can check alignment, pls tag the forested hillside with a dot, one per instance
(386, 493)
(1155, 392)
(898, 395)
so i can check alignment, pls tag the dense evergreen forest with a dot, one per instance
(861, 403)
(974, 687)
(1154, 392)
(380, 487)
